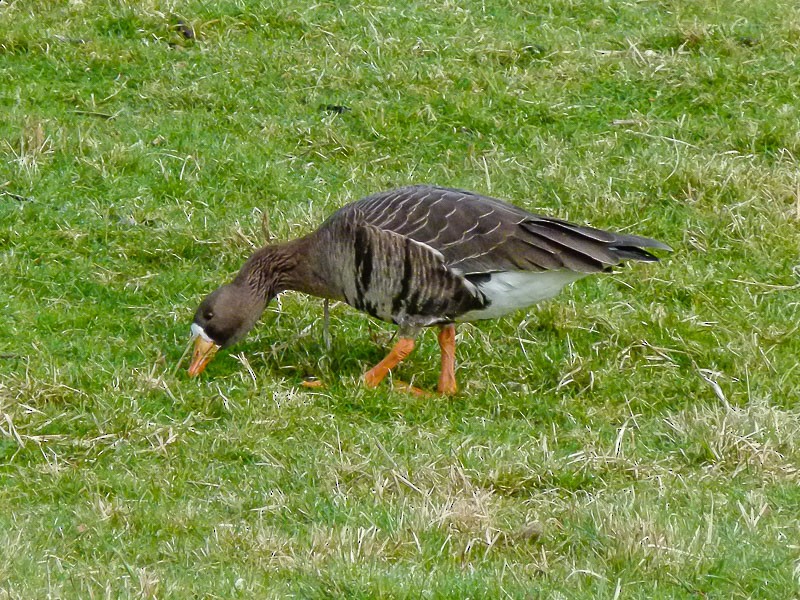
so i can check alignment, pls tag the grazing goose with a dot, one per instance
(416, 256)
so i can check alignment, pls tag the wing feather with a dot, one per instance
(478, 234)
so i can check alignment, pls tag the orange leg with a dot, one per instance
(447, 344)
(376, 374)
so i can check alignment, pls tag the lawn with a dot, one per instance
(637, 437)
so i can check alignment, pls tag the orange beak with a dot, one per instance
(204, 351)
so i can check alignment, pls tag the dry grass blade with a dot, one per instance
(186, 352)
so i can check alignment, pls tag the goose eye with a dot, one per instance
(208, 315)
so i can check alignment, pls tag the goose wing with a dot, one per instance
(478, 234)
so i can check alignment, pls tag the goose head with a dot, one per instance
(223, 318)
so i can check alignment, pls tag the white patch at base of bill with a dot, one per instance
(197, 331)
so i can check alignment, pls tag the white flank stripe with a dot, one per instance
(513, 290)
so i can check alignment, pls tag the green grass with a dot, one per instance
(638, 437)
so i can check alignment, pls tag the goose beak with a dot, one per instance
(204, 351)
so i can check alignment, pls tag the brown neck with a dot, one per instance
(292, 265)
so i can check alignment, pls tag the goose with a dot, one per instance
(417, 256)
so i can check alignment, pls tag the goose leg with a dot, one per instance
(447, 345)
(378, 373)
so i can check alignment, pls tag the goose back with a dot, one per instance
(477, 234)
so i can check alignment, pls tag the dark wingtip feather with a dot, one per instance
(660, 246)
(633, 253)
(637, 241)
